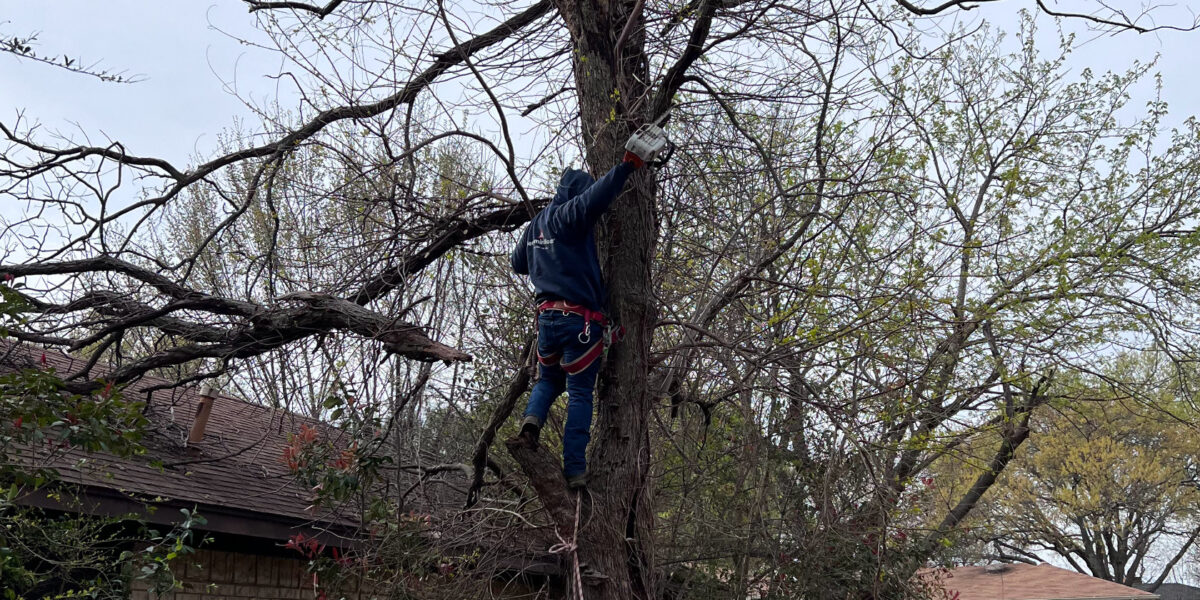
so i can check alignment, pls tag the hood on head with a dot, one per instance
(573, 183)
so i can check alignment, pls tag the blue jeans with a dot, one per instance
(560, 343)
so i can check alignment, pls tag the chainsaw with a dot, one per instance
(649, 140)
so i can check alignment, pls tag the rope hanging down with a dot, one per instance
(565, 546)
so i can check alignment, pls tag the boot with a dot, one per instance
(531, 429)
(577, 482)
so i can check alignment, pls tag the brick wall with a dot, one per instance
(211, 575)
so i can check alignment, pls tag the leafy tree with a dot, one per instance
(1107, 481)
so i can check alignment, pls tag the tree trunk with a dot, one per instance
(615, 533)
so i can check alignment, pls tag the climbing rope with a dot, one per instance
(565, 546)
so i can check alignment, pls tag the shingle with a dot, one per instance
(242, 448)
(256, 480)
(1019, 581)
(1174, 591)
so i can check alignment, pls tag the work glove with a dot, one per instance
(637, 161)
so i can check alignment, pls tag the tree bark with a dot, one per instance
(614, 537)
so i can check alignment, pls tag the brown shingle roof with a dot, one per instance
(1021, 581)
(238, 465)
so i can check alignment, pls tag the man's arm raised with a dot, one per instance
(584, 210)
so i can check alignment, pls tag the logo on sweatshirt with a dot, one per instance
(541, 241)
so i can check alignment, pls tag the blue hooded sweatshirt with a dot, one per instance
(558, 248)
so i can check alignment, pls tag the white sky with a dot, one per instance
(184, 101)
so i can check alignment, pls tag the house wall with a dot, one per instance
(221, 575)
(214, 574)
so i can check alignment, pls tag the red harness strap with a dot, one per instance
(611, 336)
(588, 314)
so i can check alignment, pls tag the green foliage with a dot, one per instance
(52, 555)
(1106, 481)
(990, 222)
(153, 563)
(43, 555)
(43, 428)
(40, 421)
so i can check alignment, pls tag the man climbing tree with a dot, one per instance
(558, 253)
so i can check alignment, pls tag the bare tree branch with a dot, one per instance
(1124, 24)
(962, 4)
(447, 235)
(320, 11)
(407, 94)
(23, 47)
(516, 388)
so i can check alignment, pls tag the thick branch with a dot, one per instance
(1016, 431)
(1167, 569)
(449, 235)
(516, 387)
(695, 47)
(320, 11)
(121, 307)
(545, 474)
(108, 264)
(276, 326)
(328, 312)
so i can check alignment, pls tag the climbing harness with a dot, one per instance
(571, 546)
(612, 334)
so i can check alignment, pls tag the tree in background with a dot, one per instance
(983, 250)
(1107, 482)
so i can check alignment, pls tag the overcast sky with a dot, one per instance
(175, 46)
(189, 66)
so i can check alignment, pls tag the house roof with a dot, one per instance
(237, 469)
(1019, 581)
(237, 475)
(1174, 591)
